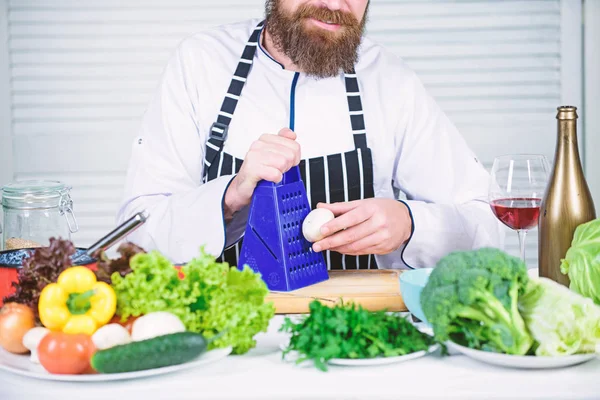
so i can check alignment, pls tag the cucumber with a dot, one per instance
(161, 351)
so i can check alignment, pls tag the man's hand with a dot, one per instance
(370, 226)
(268, 159)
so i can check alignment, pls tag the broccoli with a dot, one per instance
(472, 298)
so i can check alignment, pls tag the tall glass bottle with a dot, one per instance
(567, 202)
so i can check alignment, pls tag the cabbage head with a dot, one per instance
(560, 321)
(582, 261)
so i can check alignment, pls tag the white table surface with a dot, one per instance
(261, 374)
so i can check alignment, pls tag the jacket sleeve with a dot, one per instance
(164, 176)
(445, 184)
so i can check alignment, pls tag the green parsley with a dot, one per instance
(351, 332)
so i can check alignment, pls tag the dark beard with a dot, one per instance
(317, 52)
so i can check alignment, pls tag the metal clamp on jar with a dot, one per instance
(35, 211)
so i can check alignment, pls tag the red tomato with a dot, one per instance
(63, 353)
(93, 266)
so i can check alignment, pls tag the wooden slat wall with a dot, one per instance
(82, 72)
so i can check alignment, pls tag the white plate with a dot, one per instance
(382, 360)
(21, 365)
(363, 362)
(526, 362)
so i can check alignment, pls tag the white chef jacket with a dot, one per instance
(416, 149)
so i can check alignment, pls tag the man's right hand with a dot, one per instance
(268, 159)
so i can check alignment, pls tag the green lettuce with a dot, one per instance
(210, 298)
(560, 321)
(582, 261)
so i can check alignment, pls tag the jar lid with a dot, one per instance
(33, 191)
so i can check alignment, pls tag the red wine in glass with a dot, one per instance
(517, 213)
(517, 185)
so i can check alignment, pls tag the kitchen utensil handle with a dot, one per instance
(118, 233)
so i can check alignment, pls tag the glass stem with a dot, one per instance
(522, 233)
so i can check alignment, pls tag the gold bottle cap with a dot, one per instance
(566, 113)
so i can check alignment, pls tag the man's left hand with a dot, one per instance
(370, 226)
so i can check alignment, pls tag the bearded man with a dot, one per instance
(246, 102)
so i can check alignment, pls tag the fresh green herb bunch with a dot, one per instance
(349, 331)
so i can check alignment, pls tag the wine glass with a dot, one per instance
(517, 186)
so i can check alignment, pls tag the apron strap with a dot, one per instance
(219, 129)
(357, 117)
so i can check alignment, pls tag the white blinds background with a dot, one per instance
(83, 71)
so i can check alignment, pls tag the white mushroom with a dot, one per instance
(110, 335)
(32, 339)
(156, 324)
(311, 227)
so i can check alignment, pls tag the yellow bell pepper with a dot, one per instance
(77, 302)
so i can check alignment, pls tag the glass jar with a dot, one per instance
(35, 211)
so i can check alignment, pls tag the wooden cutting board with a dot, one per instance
(373, 289)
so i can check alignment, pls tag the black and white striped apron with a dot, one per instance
(328, 179)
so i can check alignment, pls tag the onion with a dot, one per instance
(15, 321)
